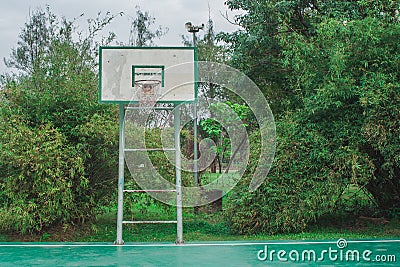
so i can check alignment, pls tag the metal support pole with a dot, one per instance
(195, 154)
(194, 38)
(121, 166)
(177, 129)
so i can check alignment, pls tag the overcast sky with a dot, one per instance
(168, 13)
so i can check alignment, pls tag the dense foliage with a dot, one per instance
(331, 73)
(57, 142)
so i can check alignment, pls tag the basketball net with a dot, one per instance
(148, 91)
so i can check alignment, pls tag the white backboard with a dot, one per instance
(122, 69)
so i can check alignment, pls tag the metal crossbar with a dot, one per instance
(147, 222)
(149, 190)
(148, 149)
(149, 107)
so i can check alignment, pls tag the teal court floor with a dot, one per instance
(339, 252)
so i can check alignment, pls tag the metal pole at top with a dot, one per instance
(194, 39)
(194, 29)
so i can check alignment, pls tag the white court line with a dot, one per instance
(194, 244)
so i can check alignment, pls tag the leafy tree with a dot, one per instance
(141, 33)
(345, 71)
(44, 29)
(209, 46)
(213, 129)
(58, 143)
(255, 50)
(330, 72)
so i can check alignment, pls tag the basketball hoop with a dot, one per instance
(148, 91)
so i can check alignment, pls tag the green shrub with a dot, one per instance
(305, 182)
(97, 140)
(42, 179)
(58, 143)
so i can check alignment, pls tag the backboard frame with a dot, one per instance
(158, 66)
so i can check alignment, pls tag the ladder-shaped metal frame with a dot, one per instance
(178, 179)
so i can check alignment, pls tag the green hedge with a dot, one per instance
(305, 182)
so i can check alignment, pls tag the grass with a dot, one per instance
(204, 227)
(211, 227)
(207, 227)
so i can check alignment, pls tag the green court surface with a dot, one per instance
(290, 253)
